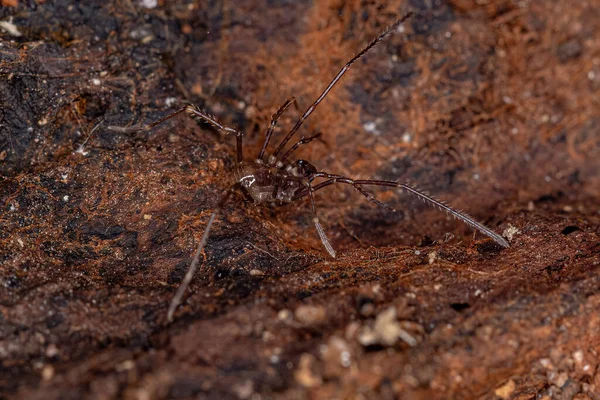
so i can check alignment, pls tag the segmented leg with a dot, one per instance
(303, 140)
(360, 190)
(460, 215)
(320, 229)
(274, 118)
(190, 110)
(195, 261)
(339, 75)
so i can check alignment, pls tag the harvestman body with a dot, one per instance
(278, 181)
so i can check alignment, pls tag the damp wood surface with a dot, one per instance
(492, 106)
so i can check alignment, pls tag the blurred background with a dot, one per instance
(492, 106)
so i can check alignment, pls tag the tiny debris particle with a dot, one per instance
(65, 198)
(385, 331)
(371, 127)
(311, 315)
(432, 256)
(169, 101)
(149, 3)
(147, 217)
(47, 372)
(336, 357)
(186, 29)
(510, 232)
(81, 150)
(197, 88)
(250, 112)
(126, 365)
(96, 82)
(506, 390)
(561, 379)
(578, 356)
(546, 363)
(285, 315)
(305, 374)
(346, 359)
(51, 350)
(10, 28)
(2, 155)
(256, 272)
(244, 390)
(267, 336)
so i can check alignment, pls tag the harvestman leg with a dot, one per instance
(274, 118)
(320, 229)
(336, 79)
(303, 140)
(467, 219)
(310, 192)
(192, 111)
(196, 260)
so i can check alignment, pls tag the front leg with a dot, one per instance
(192, 111)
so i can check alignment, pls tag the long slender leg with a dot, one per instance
(137, 128)
(362, 191)
(460, 215)
(194, 265)
(373, 199)
(274, 118)
(193, 111)
(303, 140)
(320, 229)
(336, 79)
(214, 122)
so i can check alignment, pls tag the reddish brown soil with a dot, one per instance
(493, 106)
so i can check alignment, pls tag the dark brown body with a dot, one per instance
(269, 184)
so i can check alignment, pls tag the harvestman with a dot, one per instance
(279, 181)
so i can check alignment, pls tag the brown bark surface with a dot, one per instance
(493, 106)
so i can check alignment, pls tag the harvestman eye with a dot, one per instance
(271, 180)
